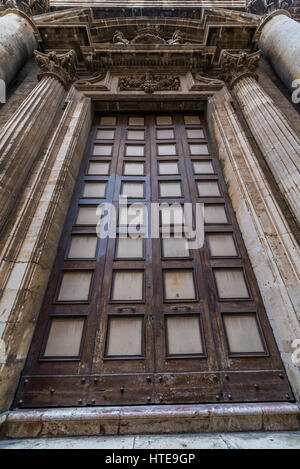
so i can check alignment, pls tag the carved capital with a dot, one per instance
(236, 66)
(60, 66)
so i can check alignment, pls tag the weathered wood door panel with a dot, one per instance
(150, 319)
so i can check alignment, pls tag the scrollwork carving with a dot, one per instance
(149, 82)
(262, 7)
(30, 7)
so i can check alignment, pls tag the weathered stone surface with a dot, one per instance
(17, 42)
(280, 42)
(151, 419)
(29, 250)
(245, 440)
(272, 248)
(278, 142)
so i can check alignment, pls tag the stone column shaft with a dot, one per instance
(21, 140)
(279, 40)
(17, 42)
(24, 134)
(271, 246)
(277, 141)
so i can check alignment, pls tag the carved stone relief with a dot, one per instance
(149, 35)
(261, 7)
(30, 7)
(149, 82)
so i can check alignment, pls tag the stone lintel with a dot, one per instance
(126, 420)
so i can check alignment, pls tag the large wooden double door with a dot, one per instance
(140, 320)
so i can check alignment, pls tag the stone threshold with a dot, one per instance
(160, 419)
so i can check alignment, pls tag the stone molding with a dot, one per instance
(237, 66)
(59, 66)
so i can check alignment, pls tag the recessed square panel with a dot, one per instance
(133, 215)
(203, 167)
(83, 246)
(108, 120)
(221, 244)
(164, 120)
(75, 286)
(133, 169)
(208, 189)
(88, 215)
(94, 189)
(136, 121)
(102, 150)
(124, 336)
(191, 120)
(135, 150)
(136, 134)
(129, 247)
(128, 285)
(164, 149)
(195, 133)
(172, 214)
(170, 189)
(168, 167)
(165, 134)
(105, 134)
(231, 283)
(175, 247)
(215, 214)
(198, 149)
(98, 168)
(64, 337)
(183, 335)
(133, 189)
(242, 333)
(179, 284)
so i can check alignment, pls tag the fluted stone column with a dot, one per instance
(279, 39)
(17, 42)
(23, 135)
(278, 142)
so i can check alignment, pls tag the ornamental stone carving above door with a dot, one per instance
(149, 82)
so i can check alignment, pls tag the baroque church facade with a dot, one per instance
(189, 103)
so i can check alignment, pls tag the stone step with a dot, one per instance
(160, 419)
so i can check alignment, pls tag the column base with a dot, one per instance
(203, 418)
